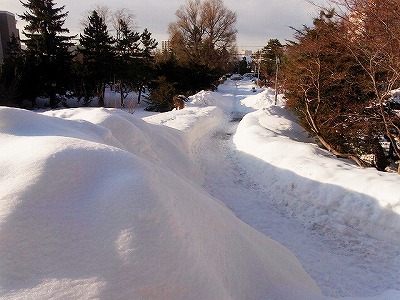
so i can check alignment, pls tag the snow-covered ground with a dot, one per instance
(192, 204)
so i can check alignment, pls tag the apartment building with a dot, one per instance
(166, 46)
(8, 28)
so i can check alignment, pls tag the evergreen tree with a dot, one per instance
(243, 66)
(13, 50)
(11, 73)
(339, 79)
(98, 56)
(127, 53)
(146, 63)
(372, 34)
(161, 95)
(127, 44)
(47, 45)
(271, 54)
(149, 44)
(324, 87)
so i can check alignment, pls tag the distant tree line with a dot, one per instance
(55, 67)
(202, 47)
(339, 76)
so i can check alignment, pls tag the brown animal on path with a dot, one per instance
(179, 101)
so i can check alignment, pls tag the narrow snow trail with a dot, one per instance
(341, 265)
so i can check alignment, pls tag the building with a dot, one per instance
(166, 46)
(245, 54)
(8, 28)
(248, 53)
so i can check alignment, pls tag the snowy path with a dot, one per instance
(342, 265)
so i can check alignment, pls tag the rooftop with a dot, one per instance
(6, 12)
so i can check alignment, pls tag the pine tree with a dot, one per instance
(98, 55)
(11, 73)
(13, 49)
(127, 41)
(162, 95)
(373, 31)
(47, 48)
(243, 66)
(149, 44)
(127, 53)
(145, 64)
(271, 53)
(324, 87)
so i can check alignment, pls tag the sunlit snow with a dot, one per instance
(99, 203)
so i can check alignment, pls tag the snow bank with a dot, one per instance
(207, 98)
(264, 99)
(166, 147)
(191, 120)
(312, 183)
(88, 210)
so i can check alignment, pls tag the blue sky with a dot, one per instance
(258, 20)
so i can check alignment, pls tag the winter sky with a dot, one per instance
(258, 20)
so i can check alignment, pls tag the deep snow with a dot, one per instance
(100, 203)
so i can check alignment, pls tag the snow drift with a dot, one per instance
(313, 183)
(88, 211)
(100, 203)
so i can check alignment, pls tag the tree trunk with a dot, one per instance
(354, 158)
(33, 101)
(139, 94)
(328, 146)
(101, 94)
(122, 104)
(380, 160)
(53, 100)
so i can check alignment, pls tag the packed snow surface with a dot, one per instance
(99, 203)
